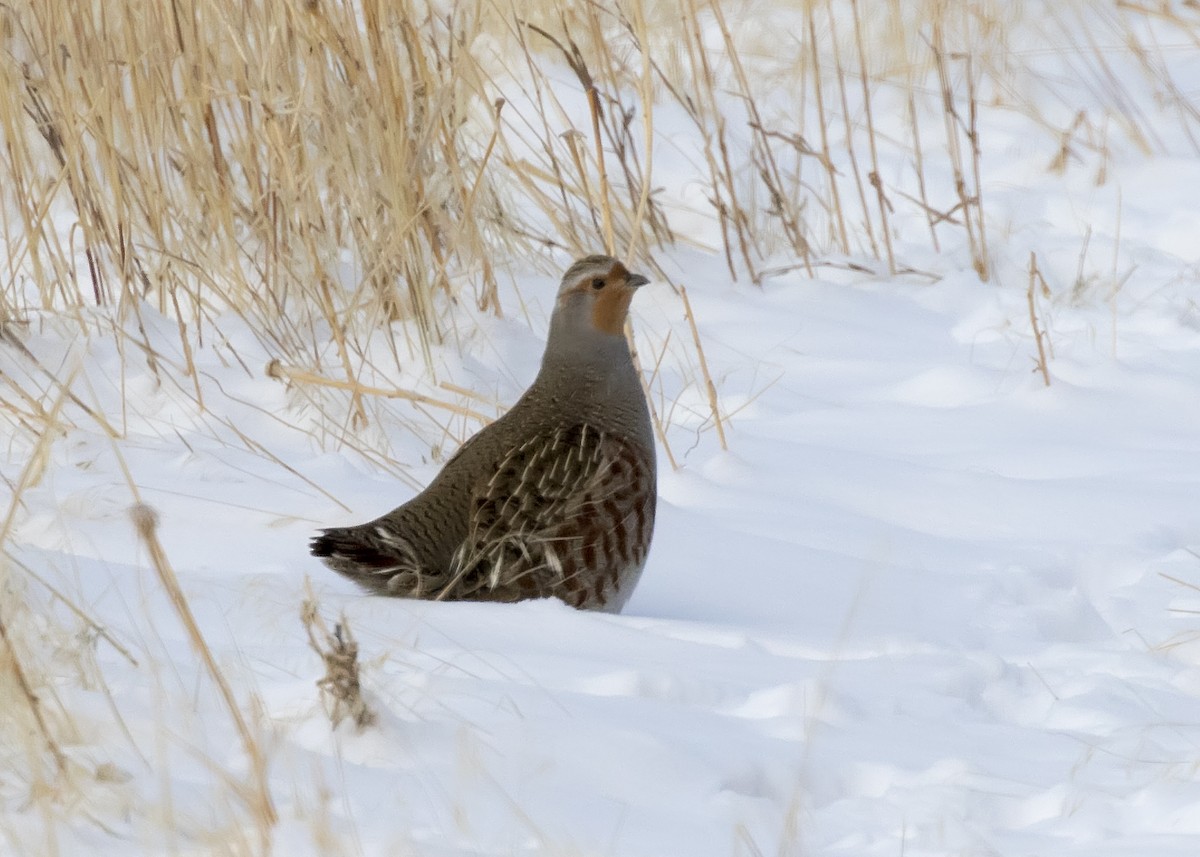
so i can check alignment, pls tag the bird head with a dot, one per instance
(595, 293)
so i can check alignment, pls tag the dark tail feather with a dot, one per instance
(370, 562)
(333, 543)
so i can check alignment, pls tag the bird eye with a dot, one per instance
(597, 283)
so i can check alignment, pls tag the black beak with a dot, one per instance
(635, 280)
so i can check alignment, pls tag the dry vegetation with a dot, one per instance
(329, 170)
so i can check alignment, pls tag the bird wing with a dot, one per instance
(561, 507)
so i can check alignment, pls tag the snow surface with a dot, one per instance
(923, 605)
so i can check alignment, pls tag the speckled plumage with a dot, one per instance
(555, 498)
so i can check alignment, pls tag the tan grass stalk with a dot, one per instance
(35, 466)
(823, 120)
(709, 386)
(489, 300)
(874, 177)
(646, 93)
(983, 264)
(575, 59)
(605, 205)
(185, 342)
(63, 387)
(471, 394)
(276, 369)
(259, 449)
(12, 661)
(94, 626)
(967, 197)
(840, 71)
(145, 522)
(1117, 282)
(768, 168)
(710, 121)
(1035, 277)
(919, 166)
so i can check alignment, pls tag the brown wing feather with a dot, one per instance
(567, 513)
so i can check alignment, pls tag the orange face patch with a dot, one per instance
(612, 306)
(612, 303)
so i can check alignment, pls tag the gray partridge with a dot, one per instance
(555, 498)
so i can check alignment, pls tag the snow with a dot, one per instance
(922, 605)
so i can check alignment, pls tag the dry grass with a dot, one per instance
(217, 157)
(325, 168)
(257, 794)
(341, 686)
(1036, 282)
